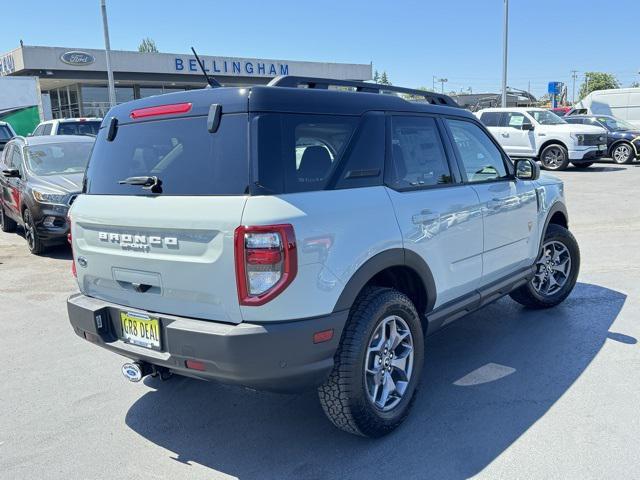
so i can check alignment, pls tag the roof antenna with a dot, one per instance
(213, 83)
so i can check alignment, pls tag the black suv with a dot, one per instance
(41, 176)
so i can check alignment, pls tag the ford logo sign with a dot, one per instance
(77, 58)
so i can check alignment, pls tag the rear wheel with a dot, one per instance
(554, 157)
(377, 365)
(582, 164)
(556, 271)
(622, 153)
(6, 224)
(31, 234)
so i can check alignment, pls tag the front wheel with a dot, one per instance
(377, 365)
(556, 271)
(31, 234)
(554, 157)
(622, 153)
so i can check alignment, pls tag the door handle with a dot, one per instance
(495, 203)
(505, 135)
(425, 217)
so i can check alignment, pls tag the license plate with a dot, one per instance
(602, 147)
(140, 329)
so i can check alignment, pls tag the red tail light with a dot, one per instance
(160, 110)
(74, 271)
(266, 262)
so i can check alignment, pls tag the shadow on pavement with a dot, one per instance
(57, 252)
(453, 432)
(594, 169)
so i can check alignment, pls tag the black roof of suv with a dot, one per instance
(315, 98)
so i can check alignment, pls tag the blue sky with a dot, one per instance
(412, 40)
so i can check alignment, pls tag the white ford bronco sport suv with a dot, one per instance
(539, 133)
(285, 238)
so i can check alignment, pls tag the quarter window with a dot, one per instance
(481, 159)
(417, 155)
(491, 119)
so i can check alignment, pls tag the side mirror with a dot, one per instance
(528, 126)
(11, 173)
(527, 169)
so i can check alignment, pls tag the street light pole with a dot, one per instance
(442, 82)
(574, 75)
(107, 49)
(504, 53)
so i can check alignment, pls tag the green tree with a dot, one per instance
(634, 85)
(384, 80)
(597, 81)
(376, 76)
(147, 46)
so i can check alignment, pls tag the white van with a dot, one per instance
(622, 103)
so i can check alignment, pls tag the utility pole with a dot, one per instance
(433, 83)
(504, 53)
(442, 82)
(107, 49)
(574, 75)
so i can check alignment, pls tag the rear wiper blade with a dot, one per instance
(148, 183)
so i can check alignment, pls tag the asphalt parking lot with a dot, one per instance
(506, 392)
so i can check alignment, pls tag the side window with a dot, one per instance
(481, 159)
(47, 129)
(417, 155)
(491, 119)
(38, 130)
(364, 160)
(16, 159)
(299, 152)
(516, 120)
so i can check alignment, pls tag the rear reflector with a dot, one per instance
(160, 110)
(195, 365)
(323, 336)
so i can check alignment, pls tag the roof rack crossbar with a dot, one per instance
(324, 83)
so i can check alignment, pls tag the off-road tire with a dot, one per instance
(527, 294)
(343, 396)
(6, 224)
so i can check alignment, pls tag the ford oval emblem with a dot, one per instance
(77, 58)
(132, 372)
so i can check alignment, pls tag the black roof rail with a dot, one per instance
(324, 83)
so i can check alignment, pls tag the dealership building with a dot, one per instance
(75, 79)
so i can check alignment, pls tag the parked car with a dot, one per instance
(623, 138)
(41, 177)
(560, 111)
(68, 126)
(289, 238)
(541, 134)
(622, 103)
(6, 134)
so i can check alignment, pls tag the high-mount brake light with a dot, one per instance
(266, 262)
(160, 110)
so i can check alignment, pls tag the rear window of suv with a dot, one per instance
(78, 128)
(181, 152)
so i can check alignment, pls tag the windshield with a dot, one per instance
(545, 117)
(58, 158)
(615, 125)
(5, 133)
(79, 128)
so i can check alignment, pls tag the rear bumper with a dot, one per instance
(270, 356)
